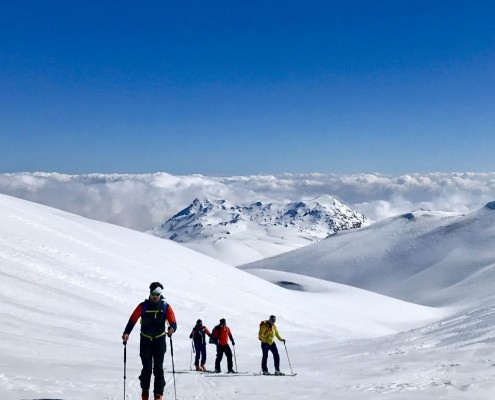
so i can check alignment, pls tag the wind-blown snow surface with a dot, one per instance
(69, 284)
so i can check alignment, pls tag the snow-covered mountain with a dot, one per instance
(224, 230)
(68, 285)
(426, 257)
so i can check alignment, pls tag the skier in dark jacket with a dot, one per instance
(154, 313)
(198, 335)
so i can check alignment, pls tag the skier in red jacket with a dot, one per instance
(223, 334)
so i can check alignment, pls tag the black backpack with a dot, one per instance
(198, 335)
(213, 339)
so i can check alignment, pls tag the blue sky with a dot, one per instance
(243, 87)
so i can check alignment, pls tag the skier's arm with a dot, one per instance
(136, 314)
(171, 320)
(278, 335)
(207, 331)
(231, 337)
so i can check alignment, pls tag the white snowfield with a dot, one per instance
(425, 257)
(68, 285)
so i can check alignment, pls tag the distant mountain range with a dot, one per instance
(219, 228)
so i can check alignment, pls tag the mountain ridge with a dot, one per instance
(403, 255)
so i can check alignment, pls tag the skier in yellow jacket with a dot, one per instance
(267, 333)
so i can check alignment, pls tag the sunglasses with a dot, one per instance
(155, 294)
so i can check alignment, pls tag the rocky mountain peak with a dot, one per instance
(210, 218)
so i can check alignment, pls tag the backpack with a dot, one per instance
(198, 335)
(164, 308)
(213, 339)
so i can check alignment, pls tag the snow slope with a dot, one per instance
(68, 285)
(431, 258)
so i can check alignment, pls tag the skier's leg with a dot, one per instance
(219, 357)
(197, 347)
(159, 348)
(276, 356)
(203, 354)
(264, 356)
(230, 363)
(147, 361)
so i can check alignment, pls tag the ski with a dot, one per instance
(192, 371)
(225, 375)
(222, 375)
(282, 374)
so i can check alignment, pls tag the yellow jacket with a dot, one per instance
(267, 333)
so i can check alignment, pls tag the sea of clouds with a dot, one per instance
(144, 201)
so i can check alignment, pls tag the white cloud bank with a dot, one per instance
(144, 201)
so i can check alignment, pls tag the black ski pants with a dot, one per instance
(152, 353)
(200, 349)
(221, 349)
(265, 348)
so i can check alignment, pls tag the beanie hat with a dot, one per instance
(154, 285)
(222, 321)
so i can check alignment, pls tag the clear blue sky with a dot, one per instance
(241, 87)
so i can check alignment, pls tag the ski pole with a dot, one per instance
(125, 363)
(235, 359)
(173, 367)
(288, 358)
(192, 349)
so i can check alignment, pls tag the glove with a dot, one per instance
(170, 331)
(283, 340)
(233, 343)
(125, 337)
